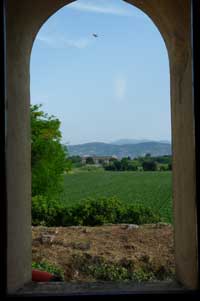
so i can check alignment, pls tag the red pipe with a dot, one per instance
(41, 276)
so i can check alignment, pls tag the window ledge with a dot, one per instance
(99, 288)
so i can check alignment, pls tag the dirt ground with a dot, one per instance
(145, 245)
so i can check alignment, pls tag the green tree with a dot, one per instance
(124, 163)
(48, 155)
(68, 166)
(117, 165)
(101, 161)
(76, 161)
(149, 165)
(133, 165)
(170, 166)
(89, 160)
(112, 159)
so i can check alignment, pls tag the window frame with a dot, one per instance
(4, 124)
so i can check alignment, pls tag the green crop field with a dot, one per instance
(153, 189)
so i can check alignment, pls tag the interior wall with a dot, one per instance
(23, 21)
(173, 19)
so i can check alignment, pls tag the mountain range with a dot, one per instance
(132, 150)
(136, 141)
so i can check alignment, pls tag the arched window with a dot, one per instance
(167, 16)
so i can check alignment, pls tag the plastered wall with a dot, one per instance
(23, 20)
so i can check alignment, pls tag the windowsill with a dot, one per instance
(99, 288)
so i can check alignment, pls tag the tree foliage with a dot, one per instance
(48, 155)
(121, 165)
(89, 160)
(90, 212)
(146, 163)
(149, 165)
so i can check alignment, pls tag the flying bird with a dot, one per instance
(95, 35)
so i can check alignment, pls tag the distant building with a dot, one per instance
(98, 160)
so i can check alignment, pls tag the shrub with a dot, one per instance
(141, 275)
(90, 168)
(138, 214)
(170, 166)
(89, 160)
(96, 212)
(108, 272)
(149, 165)
(99, 268)
(46, 212)
(89, 212)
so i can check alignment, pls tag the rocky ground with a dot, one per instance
(92, 253)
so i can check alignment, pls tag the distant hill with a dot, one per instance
(125, 150)
(136, 141)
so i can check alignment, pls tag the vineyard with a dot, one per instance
(152, 189)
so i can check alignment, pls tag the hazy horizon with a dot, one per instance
(115, 141)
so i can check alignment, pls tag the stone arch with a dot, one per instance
(23, 21)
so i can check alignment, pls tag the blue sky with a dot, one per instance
(106, 88)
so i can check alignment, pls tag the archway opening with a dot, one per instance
(98, 76)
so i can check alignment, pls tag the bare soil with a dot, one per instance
(150, 245)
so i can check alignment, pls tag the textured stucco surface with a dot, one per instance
(24, 19)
